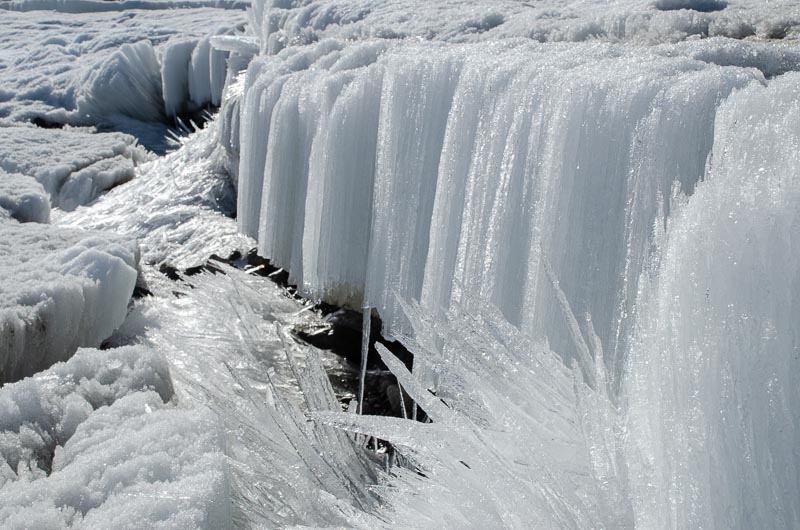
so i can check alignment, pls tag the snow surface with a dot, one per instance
(104, 69)
(61, 289)
(281, 23)
(73, 165)
(23, 198)
(96, 443)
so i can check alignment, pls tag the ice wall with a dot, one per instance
(711, 383)
(529, 175)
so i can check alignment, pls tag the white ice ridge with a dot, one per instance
(530, 175)
(96, 443)
(281, 23)
(61, 289)
(703, 430)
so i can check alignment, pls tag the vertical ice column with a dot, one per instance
(415, 104)
(339, 199)
(713, 417)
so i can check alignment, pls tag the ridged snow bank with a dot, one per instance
(134, 83)
(95, 443)
(73, 165)
(529, 175)
(62, 289)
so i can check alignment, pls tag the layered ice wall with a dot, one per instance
(711, 384)
(528, 175)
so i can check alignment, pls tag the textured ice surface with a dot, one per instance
(177, 207)
(61, 289)
(23, 198)
(73, 165)
(526, 174)
(711, 385)
(104, 68)
(628, 207)
(279, 23)
(227, 338)
(95, 443)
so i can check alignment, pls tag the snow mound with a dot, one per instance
(73, 166)
(23, 198)
(93, 443)
(62, 289)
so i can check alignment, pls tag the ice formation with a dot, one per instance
(61, 289)
(590, 246)
(96, 443)
(179, 208)
(523, 172)
(630, 211)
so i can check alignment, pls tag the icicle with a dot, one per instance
(365, 330)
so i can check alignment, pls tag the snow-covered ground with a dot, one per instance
(581, 217)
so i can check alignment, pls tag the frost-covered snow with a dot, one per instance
(61, 289)
(96, 443)
(279, 23)
(73, 165)
(23, 198)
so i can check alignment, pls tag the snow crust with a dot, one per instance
(73, 166)
(279, 24)
(62, 289)
(95, 442)
(23, 198)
